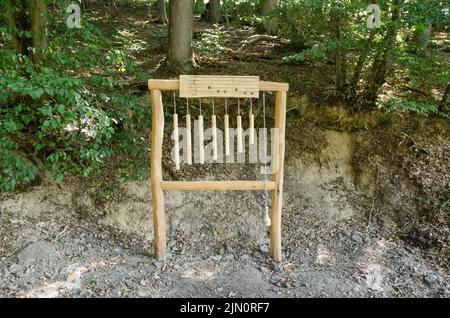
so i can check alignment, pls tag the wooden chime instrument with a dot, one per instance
(242, 88)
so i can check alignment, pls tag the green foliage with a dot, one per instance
(199, 7)
(424, 108)
(317, 53)
(212, 41)
(244, 12)
(66, 114)
(428, 71)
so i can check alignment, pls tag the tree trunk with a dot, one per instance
(28, 16)
(21, 24)
(340, 57)
(181, 20)
(380, 64)
(444, 105)
(214, 13)
(267, 7)
(11, 22)
(162, 10)
(84, 4)
(353, 86)
(38, 16)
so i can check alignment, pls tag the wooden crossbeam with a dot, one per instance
(174, 85)
(217, 185)
(205, 86)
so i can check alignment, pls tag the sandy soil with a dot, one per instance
(57, 242)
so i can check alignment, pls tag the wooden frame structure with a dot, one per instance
(156, 88)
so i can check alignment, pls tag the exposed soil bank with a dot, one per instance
(354, 224)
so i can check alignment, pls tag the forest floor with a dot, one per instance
(50, 247)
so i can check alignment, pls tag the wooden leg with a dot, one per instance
(159, 215)
(275, 227)
(277, 177)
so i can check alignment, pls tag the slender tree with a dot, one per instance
(11, 22)
(340, 58)
(28, 16)
(38, 17)
(162, 10)
(181, 20)
(444, 105)
(379, 67)
(214, 13)
(267, 7)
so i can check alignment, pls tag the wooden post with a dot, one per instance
(159, 215)
(277, 177)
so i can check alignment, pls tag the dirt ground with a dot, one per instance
(346, 207)
(58, 242)
(60, 254)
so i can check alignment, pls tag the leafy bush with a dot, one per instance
(65, 114)
(424, 108)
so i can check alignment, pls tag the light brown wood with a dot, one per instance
(277, 193)
(239, 132)
(226, 119)
(217, 185)
(214, 136)
(201, 140)
(275, 142)
(176, 138)
(159, 216)
(188, 140)
(205, 86)
(174, 85)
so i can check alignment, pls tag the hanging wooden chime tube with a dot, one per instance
(214, 132)
(252, 124)
(267, 219)
(227, 130)
(176, 134)
(201, 136)
(240, 147)
(188, 135)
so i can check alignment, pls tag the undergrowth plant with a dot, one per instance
(68, 113)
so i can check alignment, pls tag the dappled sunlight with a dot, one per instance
(372, 264)
(200, 274)
(73, 281)
(48, 290)
(323, 255)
